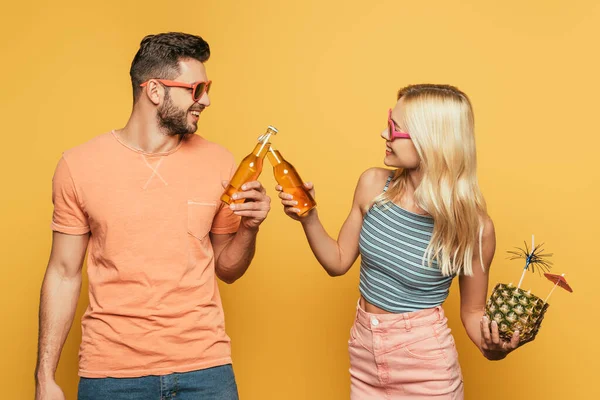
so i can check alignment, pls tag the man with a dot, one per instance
(144, 202)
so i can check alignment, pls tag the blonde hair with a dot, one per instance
(439, 119)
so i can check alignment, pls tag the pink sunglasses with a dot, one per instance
(394, 134)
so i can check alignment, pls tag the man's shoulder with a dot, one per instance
(215, 151)
(92, 148)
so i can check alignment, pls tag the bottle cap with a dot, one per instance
(271, 130)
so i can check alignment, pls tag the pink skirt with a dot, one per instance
(403, 356)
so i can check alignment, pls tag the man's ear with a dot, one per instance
(153, 91)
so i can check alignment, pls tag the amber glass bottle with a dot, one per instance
(250, 167)
(287, 176)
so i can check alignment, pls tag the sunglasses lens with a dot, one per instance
(391, 129)
(199, 90)
(208, 85)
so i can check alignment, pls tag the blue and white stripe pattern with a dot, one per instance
(393, 276)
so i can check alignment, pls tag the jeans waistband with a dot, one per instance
(402, 320)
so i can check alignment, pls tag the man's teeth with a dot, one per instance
(196, 113)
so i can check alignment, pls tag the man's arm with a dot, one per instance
(58, 302)
(234, 252)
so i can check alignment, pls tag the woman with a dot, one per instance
(416, 228)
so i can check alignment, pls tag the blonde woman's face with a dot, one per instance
(399, 153)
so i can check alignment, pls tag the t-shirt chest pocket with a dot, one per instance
(200, 217)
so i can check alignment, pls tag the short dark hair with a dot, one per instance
(159, 56)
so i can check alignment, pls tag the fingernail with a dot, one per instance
(232, 206)
(235, 196)
(243, 187)
(295, 203)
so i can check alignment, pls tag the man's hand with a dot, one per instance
(48, 390)
(256, 207)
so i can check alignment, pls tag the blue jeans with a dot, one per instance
(216, 383)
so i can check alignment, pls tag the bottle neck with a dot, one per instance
(275, 156)
(263, 145)
(261, 148)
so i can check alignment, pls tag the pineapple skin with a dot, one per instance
(515, 309)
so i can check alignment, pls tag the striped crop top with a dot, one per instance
(393, 276)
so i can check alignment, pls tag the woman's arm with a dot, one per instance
(473, 297)
(337, 256)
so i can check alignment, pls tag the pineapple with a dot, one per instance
(515, 309)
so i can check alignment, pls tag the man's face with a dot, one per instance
(178, 114)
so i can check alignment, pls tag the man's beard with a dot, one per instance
(174, 120)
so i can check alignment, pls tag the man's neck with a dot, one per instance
(145, 135)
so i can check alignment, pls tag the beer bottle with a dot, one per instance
(250, 167)
(287, 176)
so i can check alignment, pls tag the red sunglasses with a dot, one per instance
(198, 88)
(394, 134)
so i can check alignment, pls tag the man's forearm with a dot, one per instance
(235, 258)
(58, 302)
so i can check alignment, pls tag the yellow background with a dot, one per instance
(324, 73)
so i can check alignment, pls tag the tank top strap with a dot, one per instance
(387, 183)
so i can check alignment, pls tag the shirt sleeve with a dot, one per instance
(226, 221)
(68, 216)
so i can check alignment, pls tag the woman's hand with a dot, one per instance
(492, 347)
(289, 203)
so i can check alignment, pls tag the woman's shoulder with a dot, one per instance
(376, 175)
(487, 226)
(371, 184)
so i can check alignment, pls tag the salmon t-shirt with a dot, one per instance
(154, 304)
